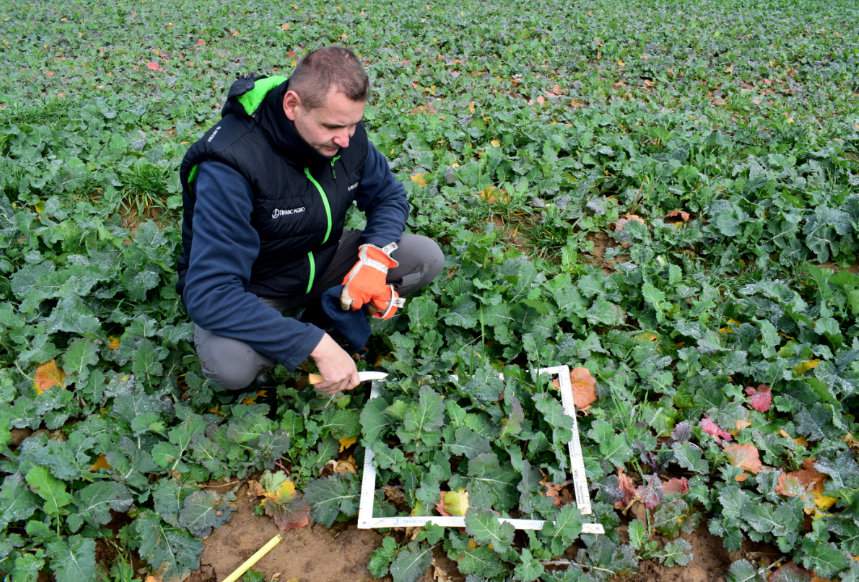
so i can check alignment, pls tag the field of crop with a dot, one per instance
(662, 194)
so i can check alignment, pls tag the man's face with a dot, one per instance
(327, 128)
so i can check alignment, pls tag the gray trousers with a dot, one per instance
(233, 365)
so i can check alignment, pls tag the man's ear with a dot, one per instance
(291, 102)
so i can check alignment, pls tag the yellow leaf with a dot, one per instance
(823, 502)
(47, 376)
(284, 26)
(100, 463)
(803, 367)
(113, 342)
(496, 143)
(472, 545)
(347, 442)
(345, 466)
(419, 179)
(453, 502)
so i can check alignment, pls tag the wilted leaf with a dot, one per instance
(584, 388)
(48, 376)
(453, 502)
(745, 457)
(346, 442)
(760, 398)
(676, 485)
(714, 430)
(292, 515)
(804, 366)
(419, 179)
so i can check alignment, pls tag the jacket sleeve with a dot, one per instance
(223, 250)
(383, 199)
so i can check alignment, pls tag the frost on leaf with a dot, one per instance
(48, 376)
(745, 457)
(714, 430)
(760, 398)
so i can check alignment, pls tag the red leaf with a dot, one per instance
(760, 398)
(714, 430)
(153, 66)
(627, 487)
(675, 485)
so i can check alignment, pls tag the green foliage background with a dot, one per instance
(530, 130)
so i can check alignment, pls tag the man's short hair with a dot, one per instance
(329, 66)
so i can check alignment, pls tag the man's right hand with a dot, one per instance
(336, 367)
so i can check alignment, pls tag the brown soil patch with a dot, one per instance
(312, 554)
(710, 563)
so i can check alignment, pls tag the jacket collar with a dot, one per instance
(281, 130)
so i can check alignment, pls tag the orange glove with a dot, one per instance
(365, 283)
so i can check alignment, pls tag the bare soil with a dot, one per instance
(341, 554)
(311, 554)
(710, 563)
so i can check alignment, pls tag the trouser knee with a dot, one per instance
(229, 363)
(421, 260)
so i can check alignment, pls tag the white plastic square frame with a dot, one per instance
(577, 467)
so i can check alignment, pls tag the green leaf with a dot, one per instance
(466, 442)
(81, 355)
(52, 490)
(16, 501)
(165, 547)
(421, 421)
(529, 568)
(561, 532)
(484, 527)
(411, 562)
(330, 496)
(689, 456)
(95, 501)
(743, 571)
(612, 447)
(72, 559)
(676, 553)
(27, 567)
(824, 558)
(203, 511)
(381, 558)
(490, 484)
(637, 534)
(374, 421)
(479, 560)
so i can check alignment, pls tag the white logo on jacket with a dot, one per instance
(278, 212)
(352, 187)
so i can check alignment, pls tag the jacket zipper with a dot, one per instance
(334, 171)
(328, 228)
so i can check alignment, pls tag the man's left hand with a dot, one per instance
(366, 283)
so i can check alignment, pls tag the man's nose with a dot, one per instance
(342, 138)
